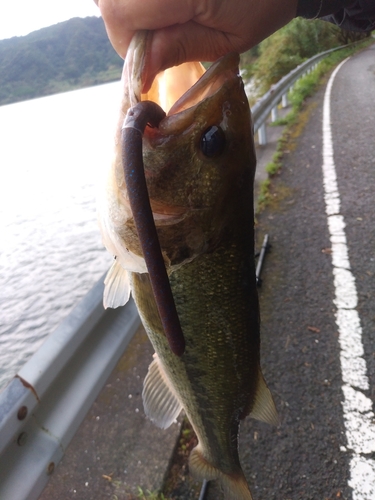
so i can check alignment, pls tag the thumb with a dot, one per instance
(181, 43)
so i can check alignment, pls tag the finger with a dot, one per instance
(123, 17)
(187, 42)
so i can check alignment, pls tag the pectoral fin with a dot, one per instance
(264, 407)
(117, 286)
(159, 400)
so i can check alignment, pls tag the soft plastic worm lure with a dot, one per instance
(138, 117)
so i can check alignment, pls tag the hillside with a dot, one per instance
(66, 56)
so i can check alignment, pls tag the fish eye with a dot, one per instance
(212, 141)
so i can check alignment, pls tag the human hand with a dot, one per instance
(192, 30)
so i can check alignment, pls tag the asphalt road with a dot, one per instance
(317, 452)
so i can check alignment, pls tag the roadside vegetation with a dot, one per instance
(150, 495)
(301, 39)
(302, 89)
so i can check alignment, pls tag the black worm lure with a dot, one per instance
(138, 117)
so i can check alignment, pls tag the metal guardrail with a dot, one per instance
(267, 104)
(43, 406)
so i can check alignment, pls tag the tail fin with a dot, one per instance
(234, 485)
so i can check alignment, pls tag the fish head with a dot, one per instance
(199, 162)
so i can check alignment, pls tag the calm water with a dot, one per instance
(51, 151)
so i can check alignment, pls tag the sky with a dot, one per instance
(20, 17)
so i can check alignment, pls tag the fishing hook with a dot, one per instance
(138, 117)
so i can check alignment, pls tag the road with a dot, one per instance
(319, 363)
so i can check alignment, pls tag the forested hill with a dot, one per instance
(66, 56)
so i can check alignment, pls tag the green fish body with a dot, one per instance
(199, 166)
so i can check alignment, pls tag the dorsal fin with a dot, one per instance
(159, 399)
(117, 286)
(264, 407)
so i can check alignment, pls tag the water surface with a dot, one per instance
(51, 152)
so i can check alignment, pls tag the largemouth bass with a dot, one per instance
(199, 165)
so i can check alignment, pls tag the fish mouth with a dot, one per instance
(179, 90)
(209, 83)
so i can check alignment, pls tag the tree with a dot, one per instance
(68, 55)
(289, 47)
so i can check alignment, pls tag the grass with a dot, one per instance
(150, 495)
(302, 89)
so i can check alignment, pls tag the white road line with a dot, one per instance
(357, 407)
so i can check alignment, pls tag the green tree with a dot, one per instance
(68, 55)
(289, 47)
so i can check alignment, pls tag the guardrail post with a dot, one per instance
(274, 114)
(262, 135)
(284, 100)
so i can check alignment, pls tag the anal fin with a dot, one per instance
(264, 407)
(117, 286)
(159, 399)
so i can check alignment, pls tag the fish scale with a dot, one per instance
(221, 335)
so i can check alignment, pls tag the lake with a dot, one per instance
(51, 254)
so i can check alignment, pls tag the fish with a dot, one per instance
(199, 165)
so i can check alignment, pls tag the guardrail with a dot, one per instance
(43, 406)
(267, 105)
